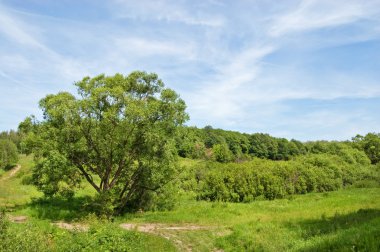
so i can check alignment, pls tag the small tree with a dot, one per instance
(370, 144)
(8, 153)
(117, 135)
(372, 147)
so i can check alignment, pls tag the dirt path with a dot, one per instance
(154, 227)
(71, 226)
(170, 232)
(12, 173)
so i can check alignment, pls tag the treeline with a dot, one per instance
(241, 167)
(226, 146)
(222, 146)
(230, 146)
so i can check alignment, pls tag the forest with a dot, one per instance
(121, 155)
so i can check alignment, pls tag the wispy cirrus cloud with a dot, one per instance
(13, 30)
(317, 14)
(148, 47)
(169, 11)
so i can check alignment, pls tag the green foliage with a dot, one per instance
(199, 143)
(118, 135)
(244, 182)
(221, 153)
(234, 146)
(190, 144)
(263, 146)
(12, 136)
(54, 175)
(371, 146)
(166, 198)
(8, 153)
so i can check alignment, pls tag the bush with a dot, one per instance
(268, 179)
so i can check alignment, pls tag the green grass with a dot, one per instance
(345, 220)
(39, 235)
(12, 191)
(317, 221)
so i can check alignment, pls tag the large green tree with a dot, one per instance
(117, 134)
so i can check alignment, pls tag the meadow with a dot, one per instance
(344, 220)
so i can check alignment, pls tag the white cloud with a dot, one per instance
(240, 84)
(215, 53)
(168, 11)
(223, 96)
(315, 14)
(14, 30)
(143, 47)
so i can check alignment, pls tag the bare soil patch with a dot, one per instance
(154, 227)
(18, 219)
(71, 226)
(170, 232)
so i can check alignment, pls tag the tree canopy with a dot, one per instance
(370, 143)
(117, 135)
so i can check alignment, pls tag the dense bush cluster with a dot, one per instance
(245, 182)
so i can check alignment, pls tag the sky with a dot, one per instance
(302, 69)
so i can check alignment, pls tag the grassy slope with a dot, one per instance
(12, 193)
(39, 235)
(342, 220)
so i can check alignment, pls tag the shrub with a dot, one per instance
(244, 182)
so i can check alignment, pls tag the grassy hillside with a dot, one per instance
(15, 192)
(18, 200)
(344, 220)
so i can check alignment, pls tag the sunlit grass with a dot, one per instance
(279, 225)
(12, 191)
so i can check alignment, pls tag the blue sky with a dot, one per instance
(303, 69)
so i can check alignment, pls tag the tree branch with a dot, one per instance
(88, 177)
